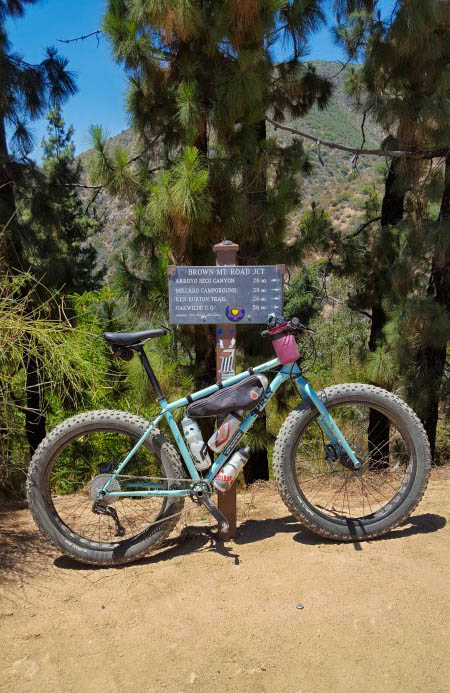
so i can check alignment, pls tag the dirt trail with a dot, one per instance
(198, 616)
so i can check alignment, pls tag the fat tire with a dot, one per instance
(52, 526)
(291, 432)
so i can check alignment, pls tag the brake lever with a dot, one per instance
(299, 328)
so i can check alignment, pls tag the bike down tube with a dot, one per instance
(182, 447)
(279, 379)
(325, 420)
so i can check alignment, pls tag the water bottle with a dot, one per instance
(225, 431)
(229, 472)
(196, 443)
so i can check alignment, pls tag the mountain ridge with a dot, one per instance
(333, 184)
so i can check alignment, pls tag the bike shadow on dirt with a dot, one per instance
(256, 530)
(194, 539)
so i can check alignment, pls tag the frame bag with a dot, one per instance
(244, 396)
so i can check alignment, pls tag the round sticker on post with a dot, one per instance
(234, 314)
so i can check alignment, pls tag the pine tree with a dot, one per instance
(423, 318)
(404, 85)
(58, 251)
(202, 77)
(26, 91)
(62, 255)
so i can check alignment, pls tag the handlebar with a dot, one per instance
(293, 326)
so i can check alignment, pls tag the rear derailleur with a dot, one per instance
(100, 508)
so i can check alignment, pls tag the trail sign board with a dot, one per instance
(225, 294)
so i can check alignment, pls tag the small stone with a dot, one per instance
(299, 606)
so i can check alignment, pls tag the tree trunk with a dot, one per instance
(34, 417)
(257, 468)
(201, 141)
(205, 362)
(392, 208)
(204, 335)
(378, 428)
(431, 359)
(11, 251)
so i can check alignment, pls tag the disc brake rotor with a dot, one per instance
(332, 457)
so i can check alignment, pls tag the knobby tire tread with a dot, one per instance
(137, 426)
(298, 419)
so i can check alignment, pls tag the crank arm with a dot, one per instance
(215, 512)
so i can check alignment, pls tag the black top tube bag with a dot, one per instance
(243, 396)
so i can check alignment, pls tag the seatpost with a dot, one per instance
(149, 370)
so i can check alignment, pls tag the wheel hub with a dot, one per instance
(334, 453)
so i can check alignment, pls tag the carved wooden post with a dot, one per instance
(226, 367)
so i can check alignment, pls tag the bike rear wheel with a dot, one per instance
(317, 481)
(75, 460)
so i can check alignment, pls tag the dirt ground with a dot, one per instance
(201, 616)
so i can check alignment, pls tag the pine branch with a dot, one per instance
(96, 33)
(79, 185)
(361, 228)
(394, 154)
(343, 66)
(94, 197)
(330, 298)
(158, 55)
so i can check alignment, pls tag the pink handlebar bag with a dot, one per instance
(284, 344)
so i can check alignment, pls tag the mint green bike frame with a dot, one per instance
(291, 372)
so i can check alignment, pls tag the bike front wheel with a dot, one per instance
(76, 460)
(318, 482)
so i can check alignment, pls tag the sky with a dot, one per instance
(101, 82)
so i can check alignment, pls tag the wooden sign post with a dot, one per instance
(200, 295)
(226, 335)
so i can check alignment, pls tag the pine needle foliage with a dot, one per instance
(202, 76)
(404, 84)
(68, 367)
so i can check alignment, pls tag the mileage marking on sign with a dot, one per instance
(225, 294)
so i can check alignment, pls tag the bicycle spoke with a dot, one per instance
(367, 490)
(72, 477)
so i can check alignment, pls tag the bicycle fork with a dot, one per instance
(325, 421)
